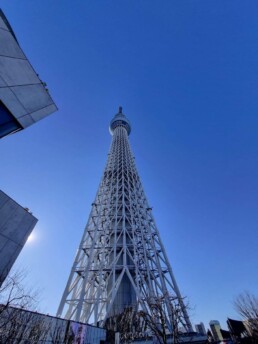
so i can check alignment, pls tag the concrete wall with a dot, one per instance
(16, 224)
(21, 90)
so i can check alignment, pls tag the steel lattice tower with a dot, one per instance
(121, 260)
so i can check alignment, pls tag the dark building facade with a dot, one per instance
(16, 224)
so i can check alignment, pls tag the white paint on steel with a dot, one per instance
(121, 260)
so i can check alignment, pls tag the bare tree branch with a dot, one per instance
(135, 322)
(14, 296)
(246, 304)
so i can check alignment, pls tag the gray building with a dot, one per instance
(16, 224)
(215, 329)
(200, 328)
(23, 326)
(24, 99)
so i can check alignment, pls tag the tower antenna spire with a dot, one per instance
(120, 109)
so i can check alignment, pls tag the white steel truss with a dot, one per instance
(121, 260)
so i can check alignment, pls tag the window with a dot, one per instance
(8, 123)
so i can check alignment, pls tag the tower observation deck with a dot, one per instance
(121, 261)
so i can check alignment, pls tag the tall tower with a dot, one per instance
(121, 261)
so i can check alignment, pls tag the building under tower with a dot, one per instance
(121, 261)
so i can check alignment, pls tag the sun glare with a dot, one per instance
(31, 237)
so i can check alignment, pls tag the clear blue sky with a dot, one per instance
(186, 74)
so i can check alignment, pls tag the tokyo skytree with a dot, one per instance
(121, 261)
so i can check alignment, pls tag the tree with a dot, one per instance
(130, 324)
(135, 322)
(16, 323)
(19, 320)
(246, 305)
(14, 293)
(156, 319)
(23, 326)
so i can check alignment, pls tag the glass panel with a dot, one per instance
(8, 122)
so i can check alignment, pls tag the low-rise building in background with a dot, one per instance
(200, 328)
(215, 329)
